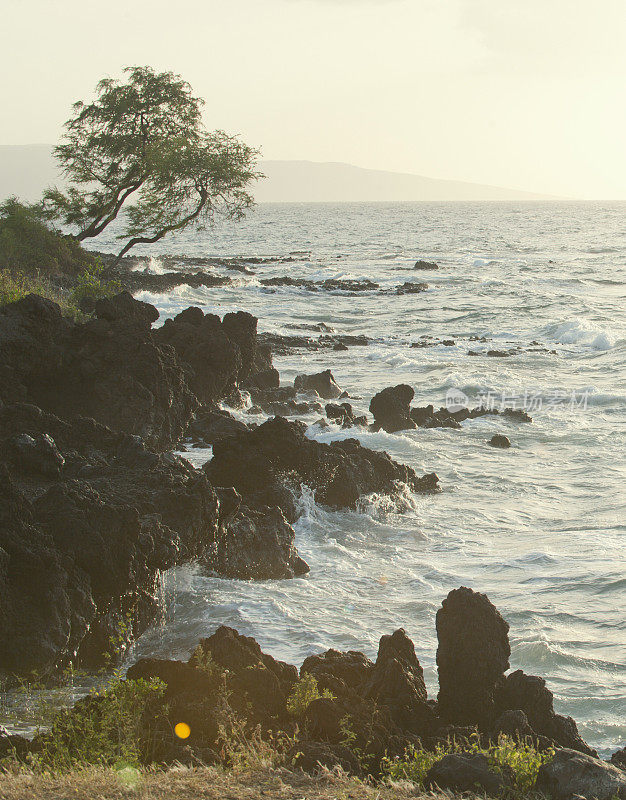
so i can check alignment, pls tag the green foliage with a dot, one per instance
(202, 659)
(141, 146)
(304, 692)
(518, 762)
(106, 727)
(90, 285)
(28, 244)
(15, 285)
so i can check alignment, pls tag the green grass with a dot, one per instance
(75, 302)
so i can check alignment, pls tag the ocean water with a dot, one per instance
(539, 527)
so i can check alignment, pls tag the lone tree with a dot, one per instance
(141, 148)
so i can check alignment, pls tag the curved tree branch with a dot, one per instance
(101, 222)
(204, 197)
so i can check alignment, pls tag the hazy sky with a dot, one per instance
(529, 94)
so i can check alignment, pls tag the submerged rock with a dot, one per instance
(410, 287)
(499, 440)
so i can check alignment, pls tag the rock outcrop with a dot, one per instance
(109, 368)
(322, 383)
(391, 408)
(264, 464)
(393, 412)
(81, 550)
(573, 774)
(472, 657)
(358, 713)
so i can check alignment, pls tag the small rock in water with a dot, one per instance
(323, 383)
(498, 440)
(426, 265)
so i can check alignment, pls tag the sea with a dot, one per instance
(540, 527)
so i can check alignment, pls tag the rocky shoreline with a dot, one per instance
(363, 716)
(95, 505)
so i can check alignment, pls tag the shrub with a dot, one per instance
(91, 286)
(111, 726)
(28, 244)
(304, 692)
(518, 762)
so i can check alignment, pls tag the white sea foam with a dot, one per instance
(581, 332)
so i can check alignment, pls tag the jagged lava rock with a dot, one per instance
(83, 549)
(322, 382)
(530, 694)
(262, 463)
(108, 368)
(391, 408)
(472, 657)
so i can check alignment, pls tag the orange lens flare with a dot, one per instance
(182, 730)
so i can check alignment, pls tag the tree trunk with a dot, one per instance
(204, 196)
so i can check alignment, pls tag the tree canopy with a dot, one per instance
(141, 148)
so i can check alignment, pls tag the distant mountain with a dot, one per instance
(313, 181)
(25, 170)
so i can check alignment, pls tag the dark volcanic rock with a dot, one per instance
(262, 463)
(257, 545)
(425, 265)
(219, 353)
(39, 455)
(618, 759)
(344, 415)
(200, 341)
(499, 440)
(427, 417)
(312, 757)
(82, 551)
(330, 284)
(409, 287)
(397, 681)
(109, 368)
(123, 306)
(391, 408)
(322, 382)
(343, 674)
(472, 657)
(573, 774)
(212, 425)
(464, 772)
(530, 694)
